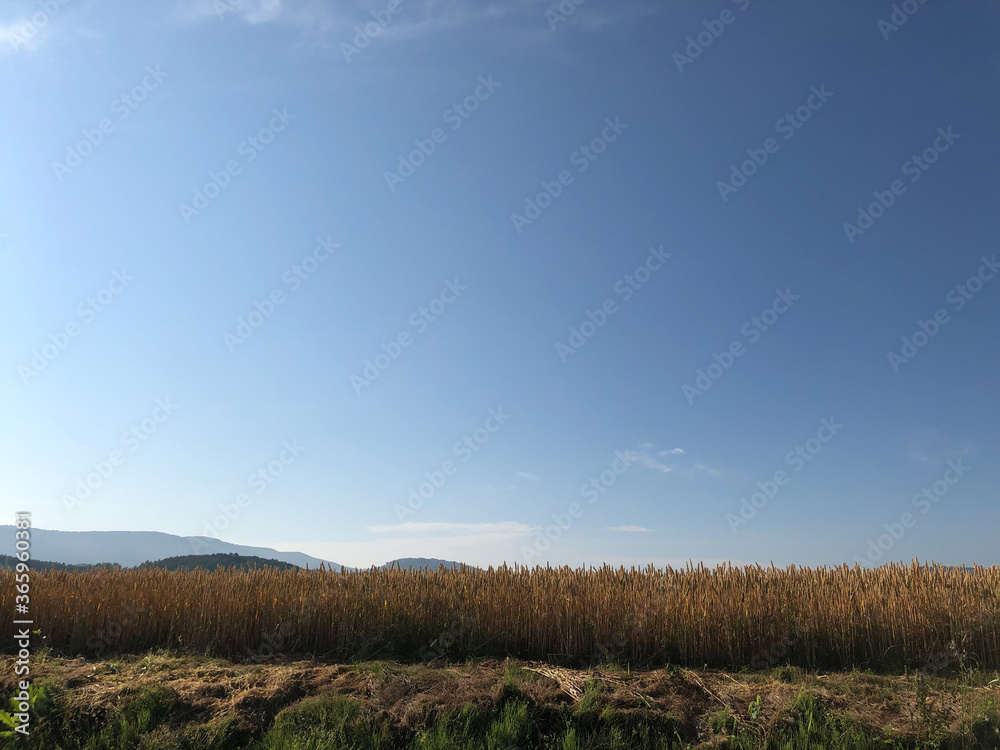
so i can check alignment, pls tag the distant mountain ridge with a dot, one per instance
(80, 549)
(218, 560)
(222, 560)
(9, 562)
(132, 548)
(419, 563)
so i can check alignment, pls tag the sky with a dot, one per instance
(593, 282)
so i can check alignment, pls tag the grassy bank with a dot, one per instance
(161, 701)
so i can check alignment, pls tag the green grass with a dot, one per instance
(155, 718)
(136, 722)
(328, 723)
(591, 695)
(137, 719)
(514, 674)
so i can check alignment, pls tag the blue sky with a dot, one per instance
(378, 179)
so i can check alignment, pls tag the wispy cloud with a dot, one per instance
(529, 477)
(40, 23)
(492, 489)
(626, 528)
(22, 36)
(434, 16)
(702, 469)
(643, 458)
(511, 528)
(308, 16)
(252, 11)
(415, 18)
(933, 447)
(12, 37)
(473, 543)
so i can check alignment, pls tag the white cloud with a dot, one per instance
(313, 16)
(627, 528)
(20, 36)
(42, 22)
(492, 489)
(416, 18)
(933, 447)
(511, 528)
(473, 543)
(526, 475)
(644, 459)
(252, 11)
(702, 469)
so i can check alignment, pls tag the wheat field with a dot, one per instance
(890, 617)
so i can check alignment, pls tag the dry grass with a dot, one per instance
(728, 617)
(217, 690)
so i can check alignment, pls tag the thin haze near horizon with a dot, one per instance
(573, 282)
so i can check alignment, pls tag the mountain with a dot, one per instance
(131, 548)
(211, 562)
(221, 559)
(417, 563)
(8, 562)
